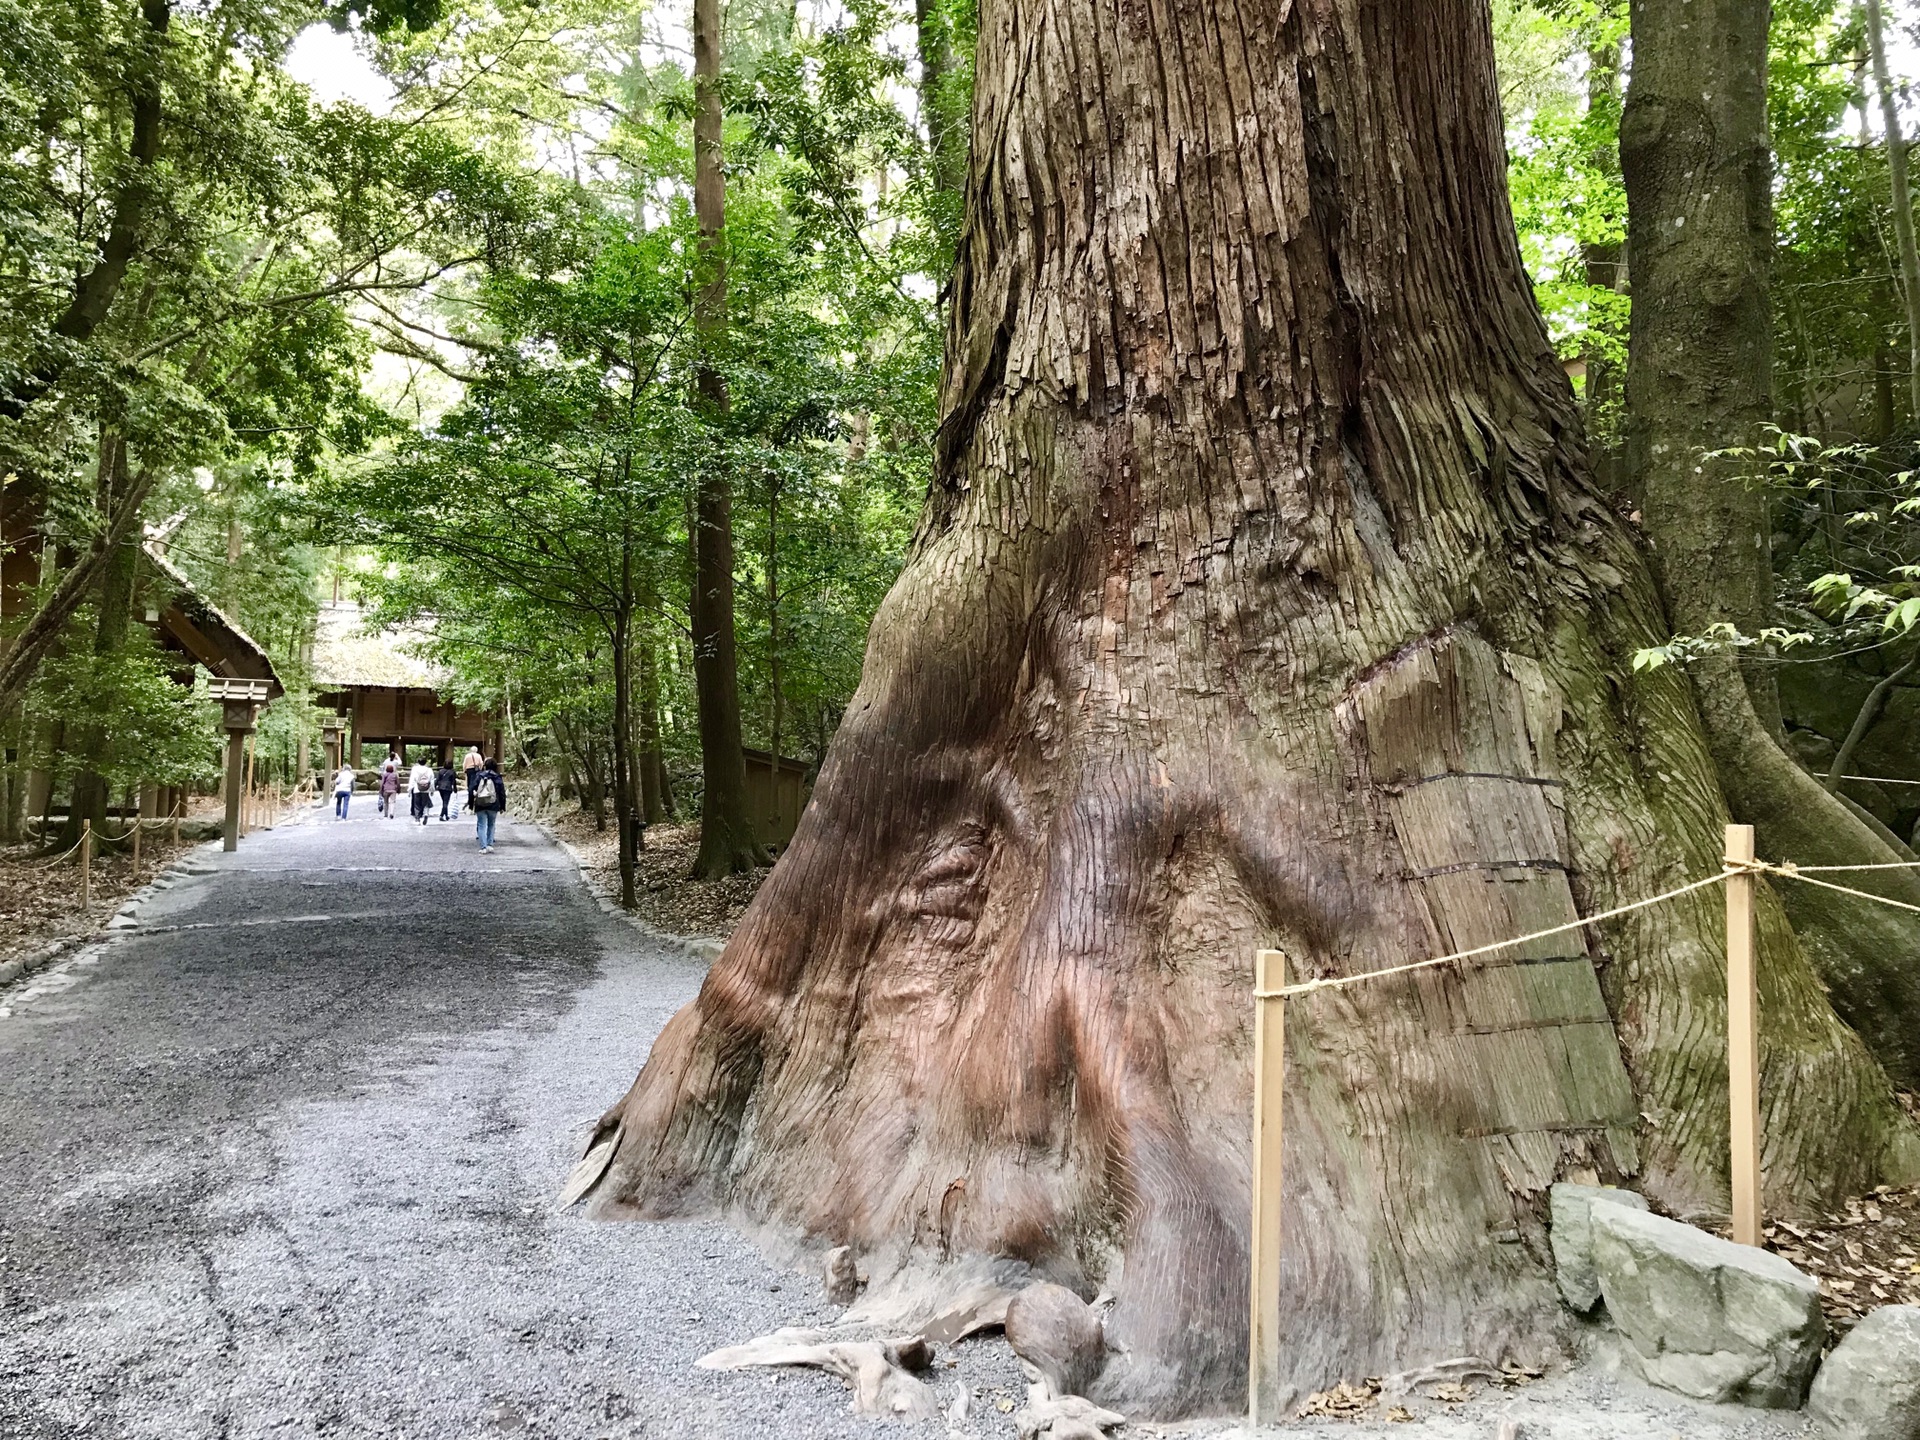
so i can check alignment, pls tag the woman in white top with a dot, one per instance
(342, 791)
(420, 789)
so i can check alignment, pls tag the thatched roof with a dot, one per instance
(347, 656)
(195, 626)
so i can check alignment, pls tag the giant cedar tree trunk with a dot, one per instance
(1695, 158)
(1261, 600)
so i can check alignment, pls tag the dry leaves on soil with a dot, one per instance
(669, 899)
(40, 895)
(1865, 1255)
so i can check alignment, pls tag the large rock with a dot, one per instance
(1572, 1237)
(1706, 1317)
(1059, 1334)
(1869, 1389)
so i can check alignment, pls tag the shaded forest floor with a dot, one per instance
(40, 889)
(669, 899)
(1866, 1254)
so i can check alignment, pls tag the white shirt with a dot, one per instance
(421, 777)
(343, 782)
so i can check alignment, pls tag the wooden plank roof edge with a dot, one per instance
(197, 608)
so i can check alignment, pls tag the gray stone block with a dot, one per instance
(1572, 1238)
(1704, 1316)
(1869, 1389)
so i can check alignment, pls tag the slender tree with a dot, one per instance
(1902, 200)
(727, 843)
(1261, 598)
(1695, 156)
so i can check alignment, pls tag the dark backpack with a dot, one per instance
(486, 794)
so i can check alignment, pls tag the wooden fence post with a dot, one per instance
(1269, 1075)
(136, 846)
(179, 805)
(86, 863)
(1743, 1041)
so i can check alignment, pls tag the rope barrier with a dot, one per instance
(49, 864)
(1789, 871)
(1786, 870)
(1336, 982)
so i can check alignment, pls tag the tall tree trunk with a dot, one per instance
(95, 287)
(1695, 157)
(652, 803)
(1902, 200)
(625, 784)
(727, 844)
(89, 797)
(1261, 598)
(773, 612)
(946, 129)
(1605, 266)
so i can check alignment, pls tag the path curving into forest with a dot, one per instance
(279, 1161)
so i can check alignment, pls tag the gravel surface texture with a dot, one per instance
(280, 1159)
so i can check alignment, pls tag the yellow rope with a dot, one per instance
(1335, 982)
(49, 864)
(1788, 870)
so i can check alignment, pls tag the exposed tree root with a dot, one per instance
(878, 1371)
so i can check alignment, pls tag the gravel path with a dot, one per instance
(280, 1161)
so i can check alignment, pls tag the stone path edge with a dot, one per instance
(13, 972)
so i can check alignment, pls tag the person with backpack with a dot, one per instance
(420, 790)
(486, 797)
(444, 781)
(342, 791)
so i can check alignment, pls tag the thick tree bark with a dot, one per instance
(727, 844)
(1262, 598)
(1695, 156)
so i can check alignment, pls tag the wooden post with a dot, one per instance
(1743, 1041)
(137, 823)
(179, 805)
(236, 777)
(86, 863)
(1269, 1075)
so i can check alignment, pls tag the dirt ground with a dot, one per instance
(669, 900)
(1866, 1254)
(40, 889)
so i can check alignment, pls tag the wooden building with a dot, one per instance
(192, 628)
(389, 695)
(778, 787)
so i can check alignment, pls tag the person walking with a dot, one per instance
(342, 791)
(471, 763)
(420, 790)
(445, 781)
(486, 797)
(389, 789)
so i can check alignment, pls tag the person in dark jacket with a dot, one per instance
(486, 797)
(445, 781)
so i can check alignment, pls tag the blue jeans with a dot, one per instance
(340, 799)
(483, 827)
